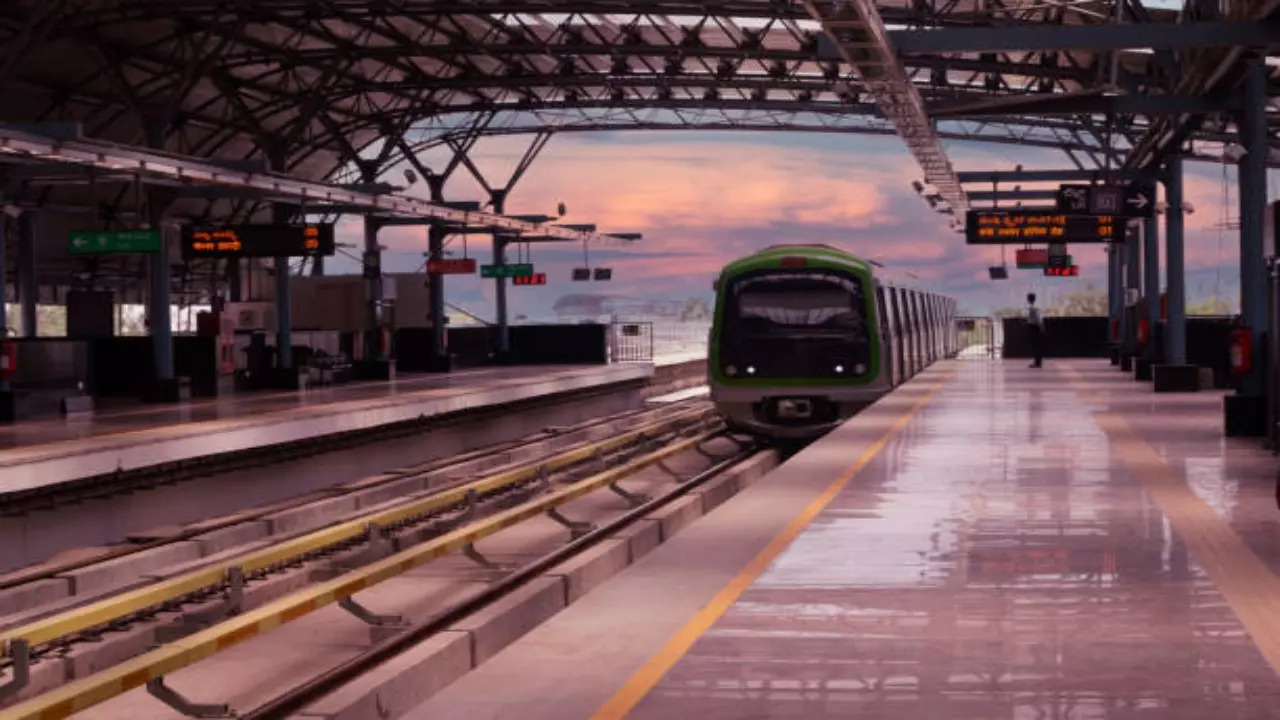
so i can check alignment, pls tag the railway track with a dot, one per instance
(578, 432)
(353, 555)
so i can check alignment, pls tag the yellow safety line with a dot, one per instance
(1248, 585)
(80, 619)
(86, 692)
(649, 674)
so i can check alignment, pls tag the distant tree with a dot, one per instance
(1213, 305)
(1090, 302)
(695, 309)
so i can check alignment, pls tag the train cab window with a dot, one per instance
(794, 302)
(806, 324)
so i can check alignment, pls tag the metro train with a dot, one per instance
(806, 336)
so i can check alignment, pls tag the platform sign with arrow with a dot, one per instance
(1140, 200)
(1135, 200)
(112, 242)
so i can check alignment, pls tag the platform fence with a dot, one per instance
(980, 337)
(650, 341)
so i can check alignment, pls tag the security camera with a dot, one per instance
(410, 176)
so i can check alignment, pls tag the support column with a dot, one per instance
(499, 198)
(4, 315)
(436, 234)
(28, 289)
(373, 290)
(1113, 299)
(284, 315)
(317, 266)
(161, 328)
(1132, 273)
(1151, 279)
(1246, 412)
(235, 293)
(1175, 374)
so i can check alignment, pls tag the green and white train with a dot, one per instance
(805, 336)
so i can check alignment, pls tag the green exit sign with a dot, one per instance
(506, 271)
(97, 242)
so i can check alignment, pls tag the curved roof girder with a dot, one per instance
(320, 83)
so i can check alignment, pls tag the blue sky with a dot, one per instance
(704, 198)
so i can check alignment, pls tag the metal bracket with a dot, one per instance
(475, 556)
(635, 500)
(19, 652)
(577, 528)
(224, 609)
(468, 513)
(662, 465)
(175, 700)
(379, 547)
(351, 605)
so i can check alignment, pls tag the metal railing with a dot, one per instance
(979, 337)
(647, 341)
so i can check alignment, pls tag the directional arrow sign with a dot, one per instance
(1139, 200)
(84, 242)
(1073, 198)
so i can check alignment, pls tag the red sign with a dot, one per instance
(1032, 257)
(534, 279)
(1068, 271)
(452, 266)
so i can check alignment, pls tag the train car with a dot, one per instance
(805, 336)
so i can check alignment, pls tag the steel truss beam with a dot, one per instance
(273, 187)
(861, 38)
(1039, 37)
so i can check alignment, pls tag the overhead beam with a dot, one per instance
(1012, 195)
(272, 186)
(1042, 37)
(1083, 104)
(862, 41)
(1026, 176)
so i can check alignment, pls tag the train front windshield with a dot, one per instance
(796, 324)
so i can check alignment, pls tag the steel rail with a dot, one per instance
(152, 666)
(79, 620)
(296, 699)
(44, 571)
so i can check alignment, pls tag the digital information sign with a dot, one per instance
(534, 279)
(1011, 227)
(452, 266)
(1062, 271)
(246, 241)
(511, 270)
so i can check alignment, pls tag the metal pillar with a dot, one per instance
(4, 312)
(1253, 206)
(373, 290)
(1176, 330)
(499, 197)
(436, 234)
(235, 292)
(317, 266)
(1132, 275)
(284, 315)
(1113, 292)
(161, 329)
(28, 290)
(1151, 279)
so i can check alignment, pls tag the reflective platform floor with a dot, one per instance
(37, 454)
(991, 541)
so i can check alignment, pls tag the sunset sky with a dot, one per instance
(704, 198)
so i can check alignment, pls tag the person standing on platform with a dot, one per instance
(1035, 323)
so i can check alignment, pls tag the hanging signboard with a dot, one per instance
(452, 266)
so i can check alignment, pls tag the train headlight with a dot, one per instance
(859, 368)
(731, 370)
(751, 369)
(839, 369)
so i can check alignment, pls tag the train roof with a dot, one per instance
(819, 252)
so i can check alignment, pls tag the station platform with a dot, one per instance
(40, 454)
(989, 541)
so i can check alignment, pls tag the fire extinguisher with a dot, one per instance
(1241, 344)
(1144, 332)
(8, 360)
